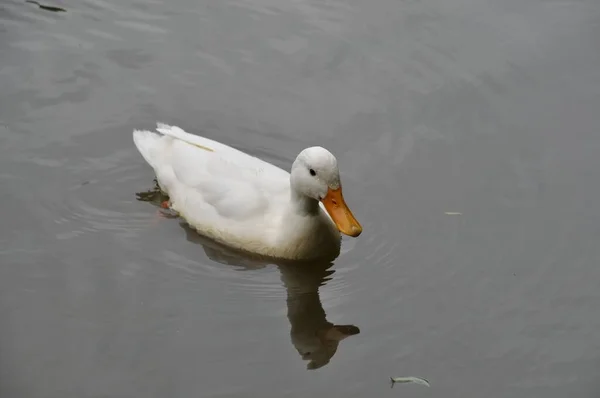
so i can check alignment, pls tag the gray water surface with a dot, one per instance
(486, 108)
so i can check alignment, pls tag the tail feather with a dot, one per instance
(170, 130)
(180, 134)
(147, 143)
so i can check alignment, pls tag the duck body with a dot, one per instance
(244, 202)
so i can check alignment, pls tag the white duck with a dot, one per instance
(246, 203)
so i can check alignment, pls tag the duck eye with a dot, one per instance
(312, 172)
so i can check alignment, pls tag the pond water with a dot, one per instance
(467, 134)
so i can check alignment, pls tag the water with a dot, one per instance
(485, 108)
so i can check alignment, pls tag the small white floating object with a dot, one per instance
(453, 213)
(410, 379)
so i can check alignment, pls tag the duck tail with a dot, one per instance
(147, 143)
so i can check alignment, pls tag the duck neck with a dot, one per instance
(303, 204)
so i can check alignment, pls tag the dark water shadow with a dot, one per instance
(45, 7)
(312, 335)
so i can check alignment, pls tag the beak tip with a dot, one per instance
(355, 231)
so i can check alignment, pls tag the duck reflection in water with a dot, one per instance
(314, 337)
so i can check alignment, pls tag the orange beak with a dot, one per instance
(340, 213)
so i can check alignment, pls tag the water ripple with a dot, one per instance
(71, 205)
(87, 217)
